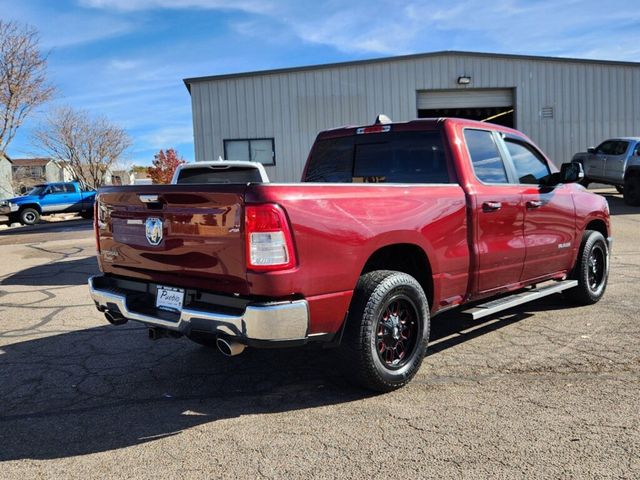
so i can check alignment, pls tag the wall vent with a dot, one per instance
(546, 112)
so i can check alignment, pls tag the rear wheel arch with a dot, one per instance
(633, 171)
(599, 226)
(407, 258)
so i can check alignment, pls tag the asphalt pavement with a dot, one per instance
(546, 390)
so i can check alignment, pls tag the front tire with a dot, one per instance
(387, 330)
(631, 190)
(591, 270)
(29, 216)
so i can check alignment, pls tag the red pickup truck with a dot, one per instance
(391, 225)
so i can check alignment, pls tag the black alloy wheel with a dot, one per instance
(397, 332)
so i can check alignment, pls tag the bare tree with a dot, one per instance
(89, 146)
(23, 84)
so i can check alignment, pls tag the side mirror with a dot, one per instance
(571, 172)
(591, 150)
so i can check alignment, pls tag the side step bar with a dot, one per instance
(495, 306)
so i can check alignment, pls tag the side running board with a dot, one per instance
(495, 306)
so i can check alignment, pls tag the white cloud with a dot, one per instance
(123, 64)
(252, 6)
(168, 137)
(61, 29)
(387, 27)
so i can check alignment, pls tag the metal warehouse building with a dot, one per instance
(273, 116)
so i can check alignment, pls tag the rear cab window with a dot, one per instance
(388, 157)
(216, 175)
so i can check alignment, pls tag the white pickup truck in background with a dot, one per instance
(220, 171)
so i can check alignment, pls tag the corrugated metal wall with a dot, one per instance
(591, 101)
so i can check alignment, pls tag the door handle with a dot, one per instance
(491, 206)
(534, 203)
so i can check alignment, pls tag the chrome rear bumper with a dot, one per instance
(278, 321)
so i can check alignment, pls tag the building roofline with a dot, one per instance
(189, 81)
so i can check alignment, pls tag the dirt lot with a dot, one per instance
(543, 391)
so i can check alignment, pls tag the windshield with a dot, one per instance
(37, 190)
(390, 157)
(212, 174)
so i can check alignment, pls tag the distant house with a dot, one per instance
(6, 187)
(28, 172)
(111, 176)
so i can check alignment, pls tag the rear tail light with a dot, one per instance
(269, 242)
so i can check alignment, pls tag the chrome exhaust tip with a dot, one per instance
(229, 348)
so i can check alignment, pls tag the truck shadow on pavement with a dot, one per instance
(67, 273)
(106, 388)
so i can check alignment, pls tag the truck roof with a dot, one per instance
(417, 124)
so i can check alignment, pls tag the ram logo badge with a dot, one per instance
(153, 229)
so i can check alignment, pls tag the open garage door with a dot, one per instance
(494, 105)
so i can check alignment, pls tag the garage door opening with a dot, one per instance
(490, 105)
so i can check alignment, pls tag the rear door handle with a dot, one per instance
(491, 206)
(534, 203)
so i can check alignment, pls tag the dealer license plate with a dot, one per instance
(169, 298)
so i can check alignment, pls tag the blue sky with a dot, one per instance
(125, 59)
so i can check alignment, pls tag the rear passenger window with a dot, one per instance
(530, 167)
(69, 188)
(485, 156)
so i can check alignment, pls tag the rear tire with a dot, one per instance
(87, 214)
(29, 216)
(387, 330)
(591, 270)
(631, 190)
(619, 189)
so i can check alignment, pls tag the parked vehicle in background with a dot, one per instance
(393, 223)
(49, 198)
(220, 171)
(614, 162)
(142, 181)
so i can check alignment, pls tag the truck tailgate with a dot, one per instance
(174, 234)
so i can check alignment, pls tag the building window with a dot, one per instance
(260, 150)
(36, 172)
